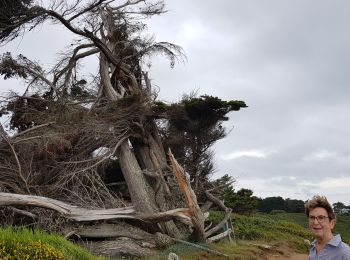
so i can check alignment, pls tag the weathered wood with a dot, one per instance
(118, 247)
(144, 197)
(82, 214)
(116, 230)
(145, 158)
(221, 205)
(196, 214)
(141, 193)
(220, 236)
(206, 206)
(121, 231)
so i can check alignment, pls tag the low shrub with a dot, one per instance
(26, 244)
(13, 249)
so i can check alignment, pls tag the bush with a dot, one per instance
(13, 249)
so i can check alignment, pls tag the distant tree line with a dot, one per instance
(278, 203)
(341, 209)
(242, 201)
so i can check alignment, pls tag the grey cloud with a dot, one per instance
(288, 60)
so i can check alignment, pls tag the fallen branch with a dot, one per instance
(195, 212)
(82, 214)
(221, 205)
(220, 236)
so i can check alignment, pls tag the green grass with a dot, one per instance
(342, 227)
(24, 242)
(271, 230)
(250, 232)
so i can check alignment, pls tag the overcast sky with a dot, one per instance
(288, 60)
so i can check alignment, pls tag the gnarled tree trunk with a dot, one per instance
(115, 82)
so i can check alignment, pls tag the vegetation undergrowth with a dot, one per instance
(251, 234)
(342, 227)
(24, 244)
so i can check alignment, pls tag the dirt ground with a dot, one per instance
(283, 252)
(293, 256)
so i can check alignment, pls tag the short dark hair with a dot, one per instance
(319, 202)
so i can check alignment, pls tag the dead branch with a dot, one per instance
(19, 166)
(73, 60)
(85, 10)
(83, 214)
(87, 34)
(220, 236)
(160, 172)
(221, 205)
(105, 157)
(206, 206)
(196, 214)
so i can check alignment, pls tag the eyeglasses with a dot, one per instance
(320, 219)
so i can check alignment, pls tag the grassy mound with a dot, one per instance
(269, 230)
(255, 237)
(342, 227)
(23, 244)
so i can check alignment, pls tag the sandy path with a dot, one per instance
(293, 256)
(284, 252)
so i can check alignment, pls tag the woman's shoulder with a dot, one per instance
(345, 251)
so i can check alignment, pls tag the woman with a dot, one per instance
(321, 223)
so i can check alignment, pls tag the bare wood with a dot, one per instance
(206, 206)
(161, 175)
(220, 236)
(141, 193)
(105, 157)
(82, 214)
(216, 201)
(105, 230)
(221, 205)
(19, 166)
(181, 214)
(196, 214)
(119, 246)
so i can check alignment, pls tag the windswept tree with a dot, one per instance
(194, 125)
(72, 128)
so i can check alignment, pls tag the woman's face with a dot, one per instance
(321, 228)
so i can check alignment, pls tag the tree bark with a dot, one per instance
(158, 184)
(146, 198)
(141, 193)
(119, 247)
